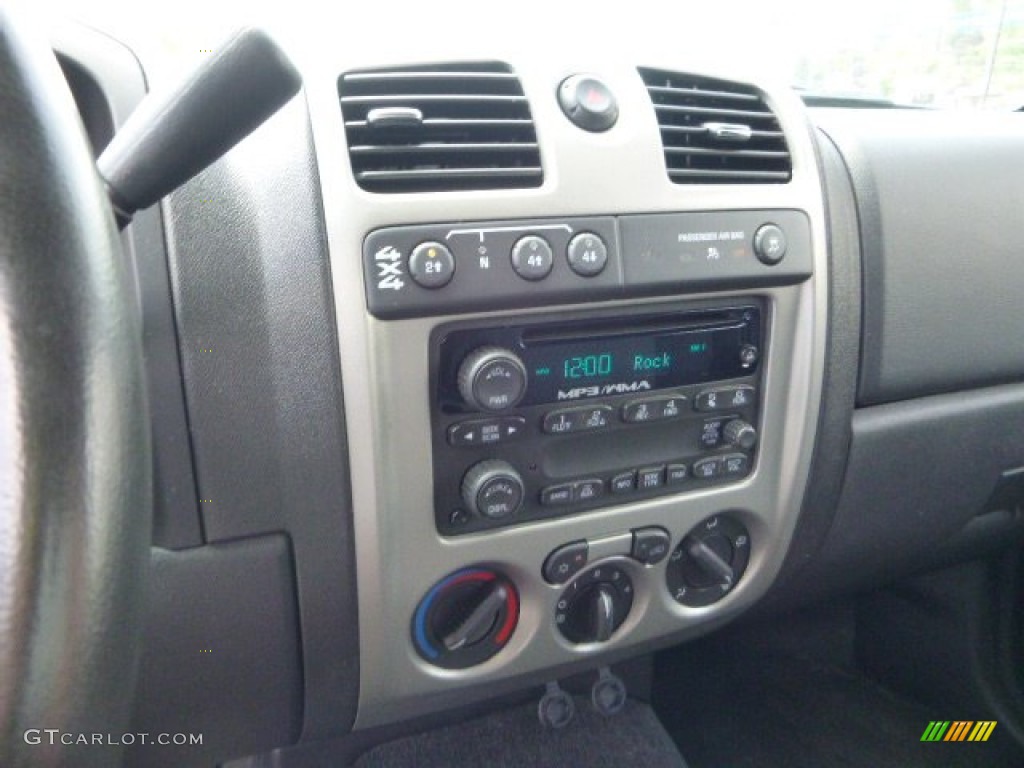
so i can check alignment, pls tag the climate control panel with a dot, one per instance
(547, 419)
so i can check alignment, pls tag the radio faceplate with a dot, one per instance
(556, 417)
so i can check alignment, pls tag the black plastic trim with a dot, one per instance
(108, 82)
(259, 348)
(840, 375)
(222, 655)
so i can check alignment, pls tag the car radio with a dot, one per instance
(554, 417)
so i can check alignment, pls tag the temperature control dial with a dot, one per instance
(466, 618)
(492, 379)
(595, 605)
(709, 562)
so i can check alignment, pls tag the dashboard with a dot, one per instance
(473, 372)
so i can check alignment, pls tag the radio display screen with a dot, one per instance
(605, 357)
(596, 367)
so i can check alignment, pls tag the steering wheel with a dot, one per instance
(75, 462)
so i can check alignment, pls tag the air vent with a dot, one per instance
(439, 128)
(717, 132)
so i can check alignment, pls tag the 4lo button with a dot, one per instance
(587, 254)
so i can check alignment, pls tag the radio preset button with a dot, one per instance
(637, 413)
(670, 407)
(735, 464)
(653, 409)
(556, 495)
(559, 422)
(676, 473)
(707, 469)
(624, 482)
(596, 417)
(587, 254)
(568, 420)
(587, 490)
(532, 257)
(649, 478)
(724, 398)
(431, 265)
(565, 562)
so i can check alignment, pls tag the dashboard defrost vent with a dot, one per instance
(439, 128)
(716, 131)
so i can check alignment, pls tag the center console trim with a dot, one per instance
(385, 374)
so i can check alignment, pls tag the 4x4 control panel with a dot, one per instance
(546, 419)
(441, 269)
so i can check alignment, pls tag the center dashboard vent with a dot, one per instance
(717, 131)
(439, 128)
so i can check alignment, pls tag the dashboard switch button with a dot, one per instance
(650, 545)
(486, 431)
(587, 490)
(431, 265)
(650, 478)
(707, 469)
(587, 254)
(588, 103)
(770, 244)
(676, 473)
(565, 562)
(735, 464)
(724, 398)
(556, 495)
(624, 483)
(532, 258)
(711, 435)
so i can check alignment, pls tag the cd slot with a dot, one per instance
(656, 324)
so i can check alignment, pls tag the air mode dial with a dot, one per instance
(709, 562)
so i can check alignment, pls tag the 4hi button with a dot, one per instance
(431, 265)
(532, 258)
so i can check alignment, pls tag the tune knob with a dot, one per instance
(492, 379)
(741, 434)
(493, 489)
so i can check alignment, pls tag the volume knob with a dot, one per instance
(492, 379)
